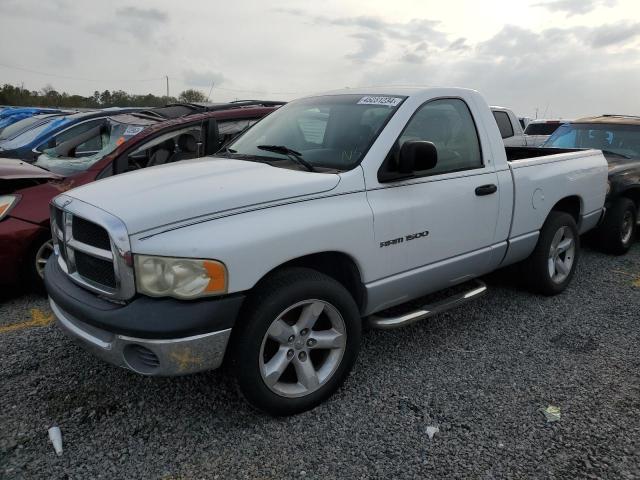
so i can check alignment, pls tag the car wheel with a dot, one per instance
(617, 232)
(299, 340)
(552, 264)
(40, 253)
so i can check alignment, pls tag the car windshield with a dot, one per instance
(327, 132)
(78, 148)
(623, 140)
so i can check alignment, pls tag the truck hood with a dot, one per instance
(173, 193)
(14, 169)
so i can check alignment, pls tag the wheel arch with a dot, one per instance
(633, 194)
(572, 205)
(337, 265)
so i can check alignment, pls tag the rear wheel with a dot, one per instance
(299, 341)
(552, 264)
(617, 232)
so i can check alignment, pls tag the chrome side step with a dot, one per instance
(429, 310)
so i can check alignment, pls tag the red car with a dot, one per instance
(86, 153)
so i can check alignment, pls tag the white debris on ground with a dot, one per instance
(431, 431)
(552, 413)
(55, 435)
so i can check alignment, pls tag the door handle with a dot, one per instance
(486, 190)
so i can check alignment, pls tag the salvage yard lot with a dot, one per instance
(481, 374)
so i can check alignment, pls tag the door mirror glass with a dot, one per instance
(417, 155)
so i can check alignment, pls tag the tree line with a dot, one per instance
(50, 97)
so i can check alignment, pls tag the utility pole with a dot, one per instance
(167, 77)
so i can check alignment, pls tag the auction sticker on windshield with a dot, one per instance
(386, 101)
(131, 131)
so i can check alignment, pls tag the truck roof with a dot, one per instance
(610, 119)
(407, 91)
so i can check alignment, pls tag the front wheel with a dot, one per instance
(36, 261)
(298, 343)
(552, 264)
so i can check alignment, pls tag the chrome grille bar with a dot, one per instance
(119, 256)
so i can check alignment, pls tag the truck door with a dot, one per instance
(437, 227)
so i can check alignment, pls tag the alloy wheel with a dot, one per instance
(561, 254)
(627, 227)
(42, 255)
(302, 348)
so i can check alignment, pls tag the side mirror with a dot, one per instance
(417, 155)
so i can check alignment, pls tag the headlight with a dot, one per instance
(182, 278)
(6, 202)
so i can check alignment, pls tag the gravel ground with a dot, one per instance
(481, 374)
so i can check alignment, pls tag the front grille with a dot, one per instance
(63, 253)
(59, 219)
(95, 269)
(88, 232)
(93, 248)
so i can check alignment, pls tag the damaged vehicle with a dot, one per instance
(30, 143)
(111, 146)
(339, 209)
(10, 116)
(618, 136)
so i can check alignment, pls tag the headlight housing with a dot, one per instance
(182, 278)
(6, 203)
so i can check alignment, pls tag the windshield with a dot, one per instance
(78, 148)
(619, 139)
(333, 131)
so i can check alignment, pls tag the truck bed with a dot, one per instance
(515, 154)
(544, 176)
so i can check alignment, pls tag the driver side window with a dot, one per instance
(183, 144)
(448, 124)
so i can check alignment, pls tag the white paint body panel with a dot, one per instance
(255, 217)
(191, 189)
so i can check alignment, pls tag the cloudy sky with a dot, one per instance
(563, 57)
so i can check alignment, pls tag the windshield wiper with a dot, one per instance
(616, 154)
(292, 154)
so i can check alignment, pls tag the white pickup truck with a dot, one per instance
(334, 210)
(510, 127)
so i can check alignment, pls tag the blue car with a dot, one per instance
(29, 144)
(9, 116)
(28, 123)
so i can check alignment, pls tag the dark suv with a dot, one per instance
(618, 136)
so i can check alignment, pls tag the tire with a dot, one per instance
(541, 268)
(35, 262)
(617, 232)
(273, 335)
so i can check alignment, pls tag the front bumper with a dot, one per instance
(160, 357)
(16, 237)
(151, 336)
